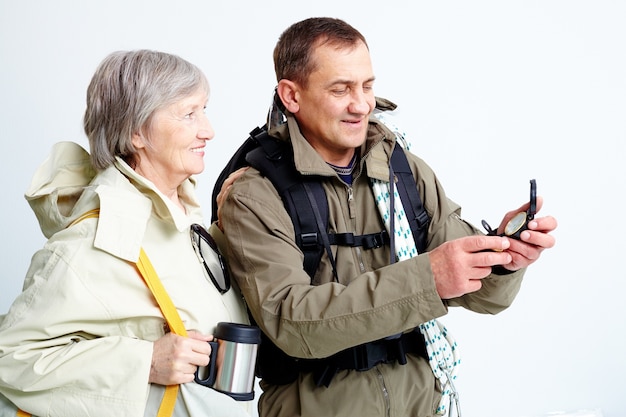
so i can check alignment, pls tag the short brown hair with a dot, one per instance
(293, 51)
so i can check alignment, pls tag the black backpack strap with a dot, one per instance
(370, 241)
(319, 205)
(304, 198)
(237, 161)
(409, 194)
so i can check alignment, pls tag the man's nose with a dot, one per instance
(362, 102)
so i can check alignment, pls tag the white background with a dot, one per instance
(491, 94)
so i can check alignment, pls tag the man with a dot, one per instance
(313, 324)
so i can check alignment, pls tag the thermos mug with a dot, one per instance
(232, 362)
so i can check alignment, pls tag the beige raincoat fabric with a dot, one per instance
(78, 340)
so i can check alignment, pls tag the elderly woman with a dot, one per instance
(86, 336)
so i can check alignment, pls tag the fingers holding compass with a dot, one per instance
(532, 242)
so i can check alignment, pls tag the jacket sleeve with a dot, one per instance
(59, 357)
(497, 291)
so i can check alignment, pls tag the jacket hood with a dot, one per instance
(66, 186)
(57, 185)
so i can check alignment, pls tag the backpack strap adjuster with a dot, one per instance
(369, 241)
(308, 240)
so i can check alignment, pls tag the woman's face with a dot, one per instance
(174, 149)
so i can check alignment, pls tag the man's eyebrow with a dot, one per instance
(349, 82)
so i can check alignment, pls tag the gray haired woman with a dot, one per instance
(86, 337)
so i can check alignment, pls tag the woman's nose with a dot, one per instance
(206, 131)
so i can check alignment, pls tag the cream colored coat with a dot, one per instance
(78, 340)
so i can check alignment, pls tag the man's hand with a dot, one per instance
(460, 264)
(176, 358)
(532, 241)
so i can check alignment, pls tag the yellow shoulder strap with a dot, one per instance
(149, 275)
(88, 215)
(147, 272)
(175, 323)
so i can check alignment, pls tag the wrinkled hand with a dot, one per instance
(226, 185)
(459, 265)
(176, 358)
(532, 241)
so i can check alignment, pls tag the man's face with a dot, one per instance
(334, 108)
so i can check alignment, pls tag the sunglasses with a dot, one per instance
(209, 255)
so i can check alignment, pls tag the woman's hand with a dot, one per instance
(226, 185)
(176, 358)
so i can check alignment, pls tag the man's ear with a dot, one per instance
(288, 93)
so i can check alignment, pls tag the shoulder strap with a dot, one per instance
(303, 197)
(409, 194)
(149, 275)
(238, 160)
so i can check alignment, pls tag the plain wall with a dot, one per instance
(491, 93)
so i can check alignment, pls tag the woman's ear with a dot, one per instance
(288, 93)
(138, 140)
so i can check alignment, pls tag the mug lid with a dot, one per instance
(237, 332)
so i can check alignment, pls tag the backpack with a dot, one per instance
(305, 201)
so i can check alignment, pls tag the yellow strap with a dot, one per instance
(171, 317)
(88, 215)
(149, 275)
(163, 300)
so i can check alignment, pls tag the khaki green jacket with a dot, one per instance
(372, 299)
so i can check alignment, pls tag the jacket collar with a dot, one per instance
(127, 202)
(375, 151)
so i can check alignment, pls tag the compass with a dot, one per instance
(519, 222)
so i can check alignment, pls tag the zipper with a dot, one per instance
(381, 378)
(351, 208)
(356, 177)
(359, 257)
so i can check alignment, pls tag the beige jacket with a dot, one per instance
(78, 340)
(372, 299)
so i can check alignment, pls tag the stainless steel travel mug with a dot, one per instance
(233, 361)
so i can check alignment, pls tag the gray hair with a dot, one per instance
(125, 91)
